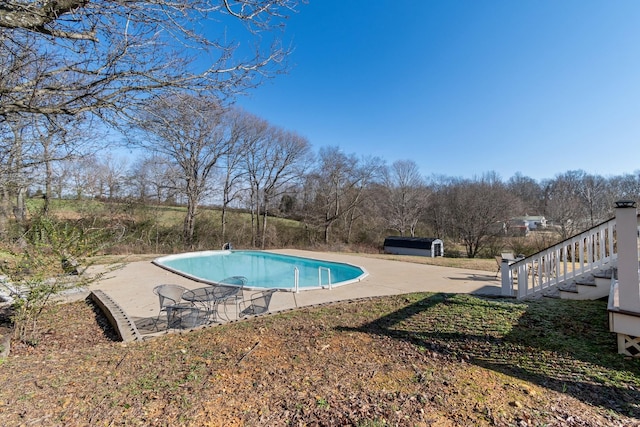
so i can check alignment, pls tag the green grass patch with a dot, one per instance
(547, 341)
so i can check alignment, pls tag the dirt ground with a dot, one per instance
(332, 366)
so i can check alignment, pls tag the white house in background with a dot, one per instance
(534, 222)
(522, 225)
(421, 246)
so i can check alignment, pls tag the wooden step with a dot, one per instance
(590, 287)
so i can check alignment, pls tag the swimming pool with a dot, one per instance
(263, 270)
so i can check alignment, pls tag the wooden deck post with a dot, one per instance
(506, 279)
(624, 299)
(627, 245)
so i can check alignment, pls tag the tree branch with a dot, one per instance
(37, 16)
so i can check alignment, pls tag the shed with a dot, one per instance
(422, 246)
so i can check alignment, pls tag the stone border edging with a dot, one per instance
(123, 325)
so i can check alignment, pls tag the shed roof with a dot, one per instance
(410, 242)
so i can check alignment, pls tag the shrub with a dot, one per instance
(52, 257)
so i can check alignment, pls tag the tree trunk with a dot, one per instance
(19, 210)
(4, 211)
(264, 228)
(224, 223)
(265, 204)
(47, 181)
(350, 226)
(190, 222)
(327, 228)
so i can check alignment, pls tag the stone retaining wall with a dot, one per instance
(123, 325)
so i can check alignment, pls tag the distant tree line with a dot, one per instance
(197, 152)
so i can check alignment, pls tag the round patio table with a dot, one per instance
(210, 298)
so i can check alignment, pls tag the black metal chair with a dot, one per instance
(257, 304)
(170, 297)
(236, 297)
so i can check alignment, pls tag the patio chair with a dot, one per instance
(499, 262)
(509, 256)
(258, 303)
(236, 297)
(168, 296)
(234, 280)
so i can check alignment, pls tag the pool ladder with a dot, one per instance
(296, 278)
(328, 276)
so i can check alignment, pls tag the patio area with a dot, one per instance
(131, 288)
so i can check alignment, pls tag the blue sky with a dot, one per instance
(465, 87)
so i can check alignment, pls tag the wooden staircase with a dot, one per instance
(578, 268)
(590, 287)
(600, 262)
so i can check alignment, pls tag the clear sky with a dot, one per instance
(464, 87)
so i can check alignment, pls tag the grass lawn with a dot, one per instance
(410, 360)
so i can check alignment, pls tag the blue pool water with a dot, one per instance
(262, 269)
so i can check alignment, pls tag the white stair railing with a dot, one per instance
(583, 253)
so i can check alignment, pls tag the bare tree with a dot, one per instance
(153, 178)
(111, 174)
(473, 207)
(272, 162)
(244, 132)
(59, 177)
(594, 192)
(15, 166)
(368, 173)
(435, 213)
(83, 181)
(105, 57)
(32, 144)
(626, 186)
(530, 193)
(60, 138)
(336, 188)
(576, 200)
(326, 187)
(186, 130)
(564, 205)
(405, 196)
(232, 173)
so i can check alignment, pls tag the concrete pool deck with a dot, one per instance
(132, 286)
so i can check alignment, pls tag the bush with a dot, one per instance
(454, 253)
(51, 258)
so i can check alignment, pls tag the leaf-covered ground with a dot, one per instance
(412, 360)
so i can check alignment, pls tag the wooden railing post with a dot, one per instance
(507, 279)
(627, 242)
